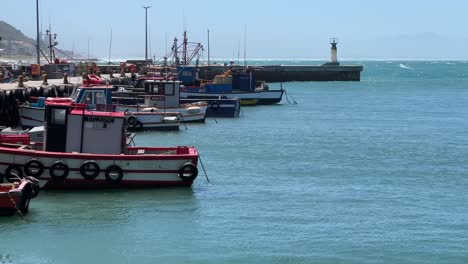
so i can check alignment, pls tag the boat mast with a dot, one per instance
(184, 51)
(110, 45)
(245, 46)
(208, 47)
(146, 31)
(37, 34)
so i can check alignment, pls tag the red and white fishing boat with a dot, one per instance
(91, 149)
(15, 196)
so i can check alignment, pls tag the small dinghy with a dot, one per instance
(16, 195)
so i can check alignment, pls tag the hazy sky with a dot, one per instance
(297, 29)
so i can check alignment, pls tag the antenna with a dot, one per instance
(166, 44)
(110, 45)
(245, 45)
(88, 48)
(208, 47)
(238, 52)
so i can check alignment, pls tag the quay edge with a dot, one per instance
(289, 73)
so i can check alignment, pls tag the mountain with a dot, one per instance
(10, 33)
(16, 45)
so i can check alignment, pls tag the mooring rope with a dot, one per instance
(203, 167)
(287, 97)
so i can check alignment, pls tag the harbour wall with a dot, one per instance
(289, 73)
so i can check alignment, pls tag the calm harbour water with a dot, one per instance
(357, 172)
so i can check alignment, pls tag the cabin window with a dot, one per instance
(169, 89)
(58, 116)
(99, 97)
(88, 98)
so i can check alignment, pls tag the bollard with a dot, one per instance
(44, 79)
(65, 78)
(20, 81)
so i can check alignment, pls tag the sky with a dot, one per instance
(293, 29)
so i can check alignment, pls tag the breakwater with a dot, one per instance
(289, 73)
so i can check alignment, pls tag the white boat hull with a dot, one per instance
(188, 112)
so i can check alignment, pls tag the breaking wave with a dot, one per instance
(403, 66)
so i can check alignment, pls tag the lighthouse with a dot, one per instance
(334, 51)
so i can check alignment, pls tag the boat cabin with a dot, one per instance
(162, 93)
(95, 97)
(72, 128)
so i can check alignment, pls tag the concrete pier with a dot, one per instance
(289, 73)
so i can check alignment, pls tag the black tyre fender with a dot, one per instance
(31, 165)
(1, 177)
(112, 169)
(132, 121)
(59, 165)
(188, 172)
(87, 167)
(9, 173)
(215, 105)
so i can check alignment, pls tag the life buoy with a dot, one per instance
(188, 172)
(59, 166)
(34, 168)
(215, 105)
(132, 121)
(12, 172)
(89, 170)
(111, 172)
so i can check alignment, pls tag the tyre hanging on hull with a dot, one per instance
(34, 168)
(13, 172)
(114, 174)
(56, 167)
(90, 170)
(188, 172)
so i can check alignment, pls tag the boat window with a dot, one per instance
(100, 98)
(75, 94)
(169, 89)
(58, 116)
(88, 98)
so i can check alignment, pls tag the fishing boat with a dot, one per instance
(15, 196)
(91, 149)
(159, 95)
(99, 97)
(242, 85)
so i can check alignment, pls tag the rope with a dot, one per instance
(183, 121)
(13, 200)
(16, 206)
(203, 167)
(286, 94)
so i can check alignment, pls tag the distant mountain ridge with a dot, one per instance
(17, 45)
(10, 33)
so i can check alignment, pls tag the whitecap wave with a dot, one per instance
(403, 66)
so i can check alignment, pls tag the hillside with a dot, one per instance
(10, 33)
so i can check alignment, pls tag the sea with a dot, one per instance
(374, 171)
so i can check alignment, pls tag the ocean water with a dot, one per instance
(356, 172)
